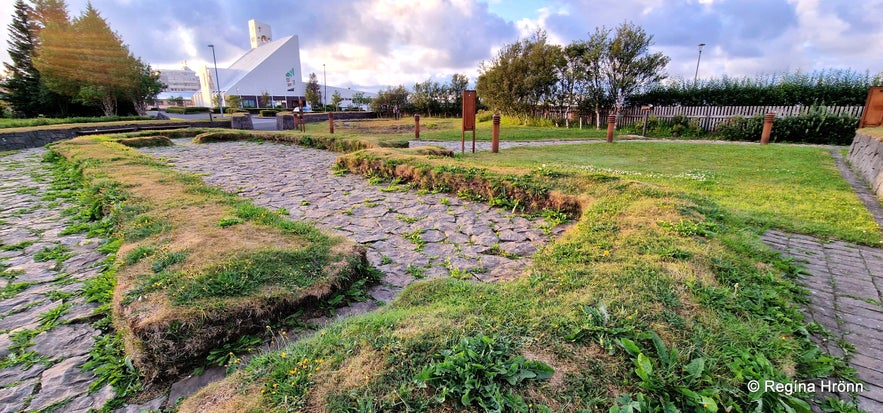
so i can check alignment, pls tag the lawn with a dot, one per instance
(790, 187)
(661, 295)
(448, 129)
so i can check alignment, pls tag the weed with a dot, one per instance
(416, 271)
(282, 211)
(476, 371)
(109, 363)
(445, 201)
(60, 253)
(415, 238)
(226, 354)
(409, 220)
(304, 203)
(229, 222)
(50, 318)
(18, 246)
(138, 253)
(385, 260)
(167, 260)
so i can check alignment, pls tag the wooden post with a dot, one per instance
(611, 125)
(331, 122)
(495, 137)
(417, 126)
(767, 128)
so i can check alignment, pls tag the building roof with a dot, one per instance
(263, 66)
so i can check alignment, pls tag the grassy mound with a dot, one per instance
(145, 141)
(653, 301)
(198, 268)
(510, 188)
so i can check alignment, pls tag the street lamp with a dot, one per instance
(217, 81)
(325, 93)
(696, 75)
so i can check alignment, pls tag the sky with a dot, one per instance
(374, 44)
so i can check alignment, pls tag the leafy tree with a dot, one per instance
(313, 91)
(596, 95)
(264, 99)
(86, 60)
(426, 97)
(629, 65)
(388, 99)
(522, 76)
(360, 100)
(234, 101)
(459, 83)
(336, 99)
(146, 88)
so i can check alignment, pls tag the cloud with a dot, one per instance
(391, 42)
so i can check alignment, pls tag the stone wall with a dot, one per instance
(22, 138)
(866, 157)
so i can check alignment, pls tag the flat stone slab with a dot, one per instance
(61, 382)
(65, 341)
(845, 282)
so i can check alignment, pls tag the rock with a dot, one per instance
(5, 344)
(81, 311)
(92, 401)
(28, 318)
(61, 382)
(190, 385)
(15, 374)
(161, 116)
(154, 405)
(13, 399)
(65, 341)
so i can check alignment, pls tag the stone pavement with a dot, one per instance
(845, 282)
(409, 235)
(45, 331)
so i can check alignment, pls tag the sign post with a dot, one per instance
(468, 119)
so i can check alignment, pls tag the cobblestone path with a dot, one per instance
(409, 235)
(846, 297)
(45, 331)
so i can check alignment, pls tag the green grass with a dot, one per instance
(794, 188)
(657, 296)
(23, 123)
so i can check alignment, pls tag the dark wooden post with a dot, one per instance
(331, 122)
(417, 126)
(767, 128)
(495, 137)
(611, 125)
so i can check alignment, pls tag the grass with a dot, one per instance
(183, 284)
(794, 188)
(448, 129)
(26, 123)
(875, 132)
(660, 296)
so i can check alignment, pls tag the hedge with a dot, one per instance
(816, 127)
(187, 110)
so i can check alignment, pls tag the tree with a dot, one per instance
(21, 88)
(234, 101)
(629, 65)
(265, 99)
(335, 100)
(389, 99)
(85, 59)
(595, 95)
(521, 77)
(313, 91)
(459, 83)
(146, 88)
(360, 100)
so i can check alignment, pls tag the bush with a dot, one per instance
(268, 113)
(815, 127)
(187, 110)
(676, 127)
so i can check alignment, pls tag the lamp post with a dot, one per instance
(217, 81)
(696, 75)
(325, 93)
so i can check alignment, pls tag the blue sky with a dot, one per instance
(378, 43)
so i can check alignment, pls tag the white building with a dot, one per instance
(271, 67)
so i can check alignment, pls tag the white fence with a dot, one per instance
(708, 117)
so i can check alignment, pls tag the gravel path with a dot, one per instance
(409, 235)
(47, 304)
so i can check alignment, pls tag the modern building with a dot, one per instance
(181, 85)
(270, 70)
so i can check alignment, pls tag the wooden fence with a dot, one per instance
(708, 117)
